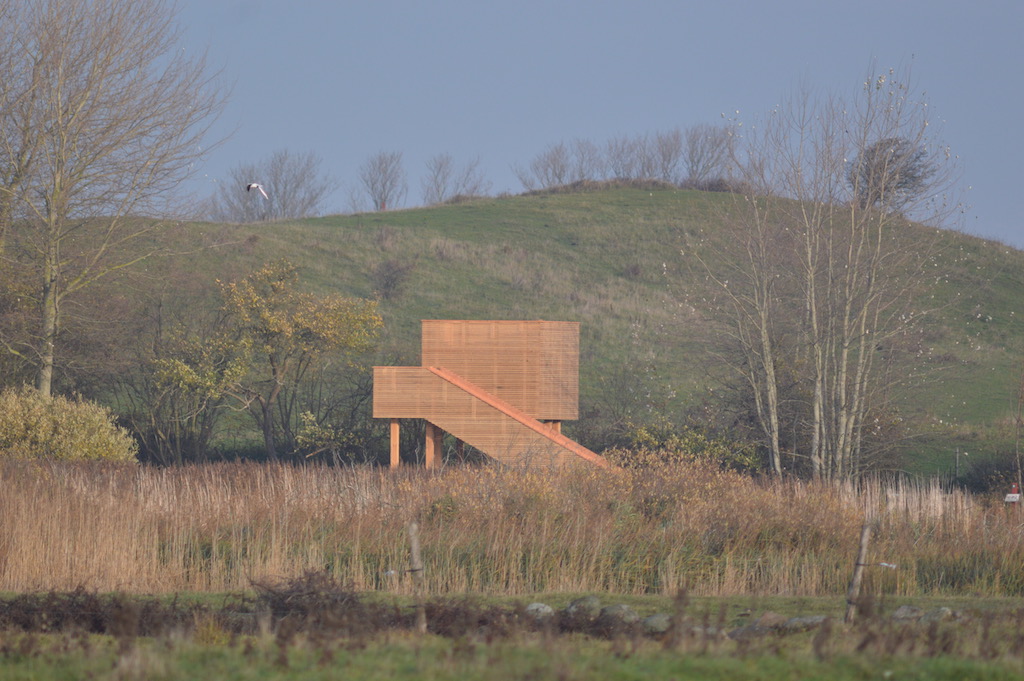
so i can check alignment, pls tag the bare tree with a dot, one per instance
(668, 155)
(648, 163)
(623, 158)
(18, 99)
(383, 180)
(444, 180)
(750, 302)
(587, 161)
(829, 290)
(709, 150)
(548, 169)
(103, 118)
(640, 157)
(295, 184)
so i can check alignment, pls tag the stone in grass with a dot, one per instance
(768, 623)
(587, 607)
(622, 614)
(938, 615)
(616, 619)
(796, 625)
(771, 620)
(657, 624)
(540, 612)
(750, 631)
(907, 613)
(707, 634)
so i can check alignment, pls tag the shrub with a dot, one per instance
(654, 445)
(34, 427)
(391, 276)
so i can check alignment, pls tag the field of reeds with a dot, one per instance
(493, 530)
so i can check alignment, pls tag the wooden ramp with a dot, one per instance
(473, 415)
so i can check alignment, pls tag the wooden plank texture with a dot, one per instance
(533, 365)
(472, 414)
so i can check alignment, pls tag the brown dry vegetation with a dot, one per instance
(492, 530)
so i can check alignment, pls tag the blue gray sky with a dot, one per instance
(501, 81)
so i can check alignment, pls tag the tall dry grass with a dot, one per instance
(218, 527)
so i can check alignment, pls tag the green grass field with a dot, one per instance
(621, 262)
(985, 643)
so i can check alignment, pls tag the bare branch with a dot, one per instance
(102, 118)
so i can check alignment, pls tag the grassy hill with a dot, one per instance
(613, 261)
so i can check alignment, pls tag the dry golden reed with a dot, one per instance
(112, 527)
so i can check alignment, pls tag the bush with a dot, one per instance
(35, 427)
(665, 444)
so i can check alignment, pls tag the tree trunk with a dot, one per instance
(48, 329)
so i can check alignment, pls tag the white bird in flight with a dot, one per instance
(252, 185)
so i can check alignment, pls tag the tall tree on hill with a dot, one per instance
(445, 180)
(548, 169)
(708, 152)
(383, 179)
(668, 154)
(101, 118)
(820, 287)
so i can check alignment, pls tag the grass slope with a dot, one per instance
(612, 260)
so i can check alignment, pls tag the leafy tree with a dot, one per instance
(184, 392)
(289, 332)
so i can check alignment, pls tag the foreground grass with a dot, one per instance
(315, 628)
(433, 658)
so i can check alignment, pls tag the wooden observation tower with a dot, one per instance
(503, 387)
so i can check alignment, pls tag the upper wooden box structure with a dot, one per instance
(532, 365)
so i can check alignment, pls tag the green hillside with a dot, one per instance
(613, 260)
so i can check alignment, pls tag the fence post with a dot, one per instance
(853, 593)
(416, 568)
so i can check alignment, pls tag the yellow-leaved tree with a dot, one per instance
(288, 332)
(270, 339)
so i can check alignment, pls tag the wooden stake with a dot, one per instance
(853, 593)
(416, 568)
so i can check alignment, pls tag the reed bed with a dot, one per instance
(222, 527)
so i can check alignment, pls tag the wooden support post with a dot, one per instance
(395, 460)
(432, 448)
(555, 426)
(460, 450)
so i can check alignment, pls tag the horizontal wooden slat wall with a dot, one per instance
(533, 365)
(472, 415)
